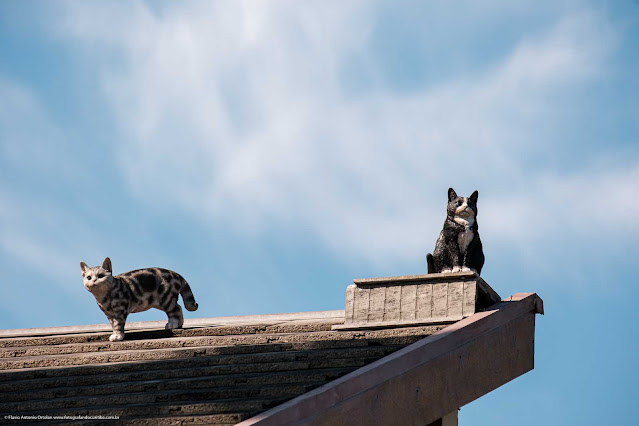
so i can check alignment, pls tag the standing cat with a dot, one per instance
(458, 247)
(137, 291)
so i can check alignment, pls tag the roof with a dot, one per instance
(299, 368)
(216, 370)
(429, 379)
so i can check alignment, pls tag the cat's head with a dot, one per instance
(97, 279)
(462, 210)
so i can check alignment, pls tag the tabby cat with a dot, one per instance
(458, 247)
(137, 291)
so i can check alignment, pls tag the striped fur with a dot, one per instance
(137, 291)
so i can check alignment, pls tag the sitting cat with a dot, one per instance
(458, 247)
(137, 291)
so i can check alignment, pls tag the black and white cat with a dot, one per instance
(458, 247)
(137, 291)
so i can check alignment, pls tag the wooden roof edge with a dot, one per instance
(428, 379)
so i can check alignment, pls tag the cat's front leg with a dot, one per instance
(117, 323)
(463, 267)
(455, 256)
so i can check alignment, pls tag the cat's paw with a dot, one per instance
(457, 269)
(172, 324)
(465, 269)
(446, 271)
(116, 337)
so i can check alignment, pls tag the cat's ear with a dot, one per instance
(473, 197)
(451, 194)
(106, 265)
(84, 267)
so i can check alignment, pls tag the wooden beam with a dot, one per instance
(450, 419)
(428, 379)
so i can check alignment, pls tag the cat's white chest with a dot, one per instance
(464, 238)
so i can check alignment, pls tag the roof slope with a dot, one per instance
(214, 371)
(429, 379)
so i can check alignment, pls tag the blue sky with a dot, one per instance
(271, 152)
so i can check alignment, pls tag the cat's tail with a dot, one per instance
(187, 296)
(431, 263)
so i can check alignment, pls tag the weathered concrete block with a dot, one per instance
(415, 300)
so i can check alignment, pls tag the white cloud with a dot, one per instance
(28, 139)
(36, 229)
(593, 204)
(237, 112)
(34, 234)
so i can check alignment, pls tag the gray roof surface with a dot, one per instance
(214, 371)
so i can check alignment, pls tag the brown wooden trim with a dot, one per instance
(429, 378)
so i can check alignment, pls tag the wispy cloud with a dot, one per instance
(239, 113)
(37, 228)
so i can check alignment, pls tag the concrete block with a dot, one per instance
(415, 300)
